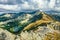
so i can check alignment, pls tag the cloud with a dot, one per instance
(52, 3)
(9, 2)
(56, 6)
(9, 7)
(3, 0)
(38, 4)
(20, 5)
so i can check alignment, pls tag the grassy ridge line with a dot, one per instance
(45, 19)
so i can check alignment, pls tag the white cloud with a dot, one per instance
(44, 5)
(57, 6)
(25, 5)
(9, 7)
(57, 9)
(52, 3)
(39, 4)
(3, 0)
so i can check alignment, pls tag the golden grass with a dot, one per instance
(46, 19)
(52, 36)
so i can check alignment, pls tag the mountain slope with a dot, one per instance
(17, 22)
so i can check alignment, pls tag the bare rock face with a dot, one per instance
(5, 35)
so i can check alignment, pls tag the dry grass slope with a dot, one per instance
(45, 19)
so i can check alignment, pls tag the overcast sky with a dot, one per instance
(20, 5)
